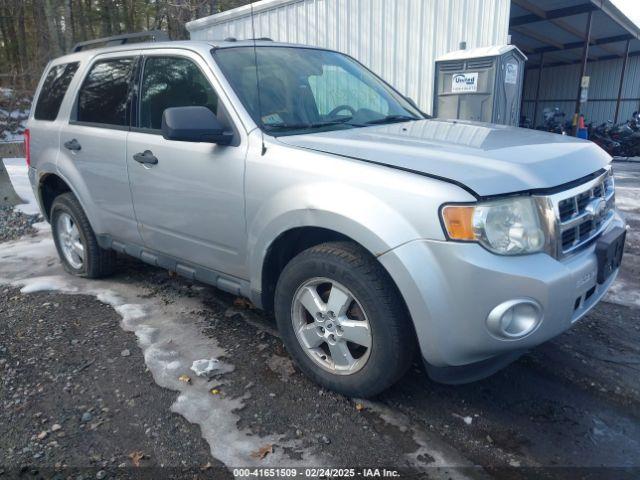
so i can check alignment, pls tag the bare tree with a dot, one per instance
(35, 31)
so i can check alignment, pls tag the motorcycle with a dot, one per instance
(601, 136)
(628, 136)
(554, 121)
(525, 122)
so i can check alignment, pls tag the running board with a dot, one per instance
(227, 283)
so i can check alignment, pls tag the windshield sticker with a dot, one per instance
(272, 119)
(464, 82)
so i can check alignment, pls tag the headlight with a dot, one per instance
(510, 226)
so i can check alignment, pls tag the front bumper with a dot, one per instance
(450, 288)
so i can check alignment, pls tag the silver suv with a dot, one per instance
(295, 177)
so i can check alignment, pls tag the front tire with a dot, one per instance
(342, 319)
(76, 242)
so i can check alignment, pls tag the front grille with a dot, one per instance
(584, 212)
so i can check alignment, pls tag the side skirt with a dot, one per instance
(227, 283)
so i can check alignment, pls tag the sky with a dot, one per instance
(631, 8)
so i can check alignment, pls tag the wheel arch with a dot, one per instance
(285, 247)
(293, 241)
(51, 186)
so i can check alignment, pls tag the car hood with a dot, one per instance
(487, 159)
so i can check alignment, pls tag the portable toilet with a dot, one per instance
(482, 84)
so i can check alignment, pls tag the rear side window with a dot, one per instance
(53, 89)
(104, 96)
(172, 82)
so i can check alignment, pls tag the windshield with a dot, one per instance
(305, 90)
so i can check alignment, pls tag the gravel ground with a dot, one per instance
(15, 224)
(568, 409)
(76, 396)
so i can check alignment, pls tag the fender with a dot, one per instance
(79, 188)
(36, 178)
(378, 207)
(359, 215)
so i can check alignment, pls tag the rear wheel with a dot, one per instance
(342, 319)
(76, 242)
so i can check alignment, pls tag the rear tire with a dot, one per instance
(76, 242)
(367, 343)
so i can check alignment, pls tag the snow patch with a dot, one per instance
(171, 340)
(623, 293)
(206, 367)
(130, 312)
(18, 174)
(48, 283)
(110, 298)
(445, 459)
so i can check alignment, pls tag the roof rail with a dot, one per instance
(259, 39)
(153, 35)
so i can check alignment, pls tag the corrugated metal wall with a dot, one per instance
(559, 88)
(397, 39)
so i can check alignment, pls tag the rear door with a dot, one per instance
(190, 205)
(93, 145)
(44, 125)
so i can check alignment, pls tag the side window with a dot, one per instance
(53, 89)
(172, 82)
(336, 87)
(104, 96)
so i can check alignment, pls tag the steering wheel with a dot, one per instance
(333, 113)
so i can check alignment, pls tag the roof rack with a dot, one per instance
(153, 35)
(259, 39)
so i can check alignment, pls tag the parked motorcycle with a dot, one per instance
(554, 121)
(525, 122)
(601, 136)
(628, 136)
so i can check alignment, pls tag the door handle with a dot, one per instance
(146, 158)
(73, 145)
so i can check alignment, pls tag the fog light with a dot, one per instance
(515, 318)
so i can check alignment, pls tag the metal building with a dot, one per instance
(568, 39)
(397, 39)
(564, 40)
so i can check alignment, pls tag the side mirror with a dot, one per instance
(194, 124)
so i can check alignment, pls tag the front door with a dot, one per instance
(190, 204)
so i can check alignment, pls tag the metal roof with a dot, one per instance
(479, 52)
(558, 28)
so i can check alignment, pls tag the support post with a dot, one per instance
(535, 105)
(585, 56)
(622, 74)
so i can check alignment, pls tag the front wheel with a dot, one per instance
(76, 242)
(343, 321)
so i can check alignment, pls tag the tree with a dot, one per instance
(32, 32)
(50, 9)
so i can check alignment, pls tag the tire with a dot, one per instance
(376, 302)
(95, 262)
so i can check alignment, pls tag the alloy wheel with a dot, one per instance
(331, 326)
(70, 241)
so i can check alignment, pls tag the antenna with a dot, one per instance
(255, 57)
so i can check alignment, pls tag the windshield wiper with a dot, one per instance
(391, 119)
(304, 126)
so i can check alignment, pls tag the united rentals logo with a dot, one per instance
(464, 82)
